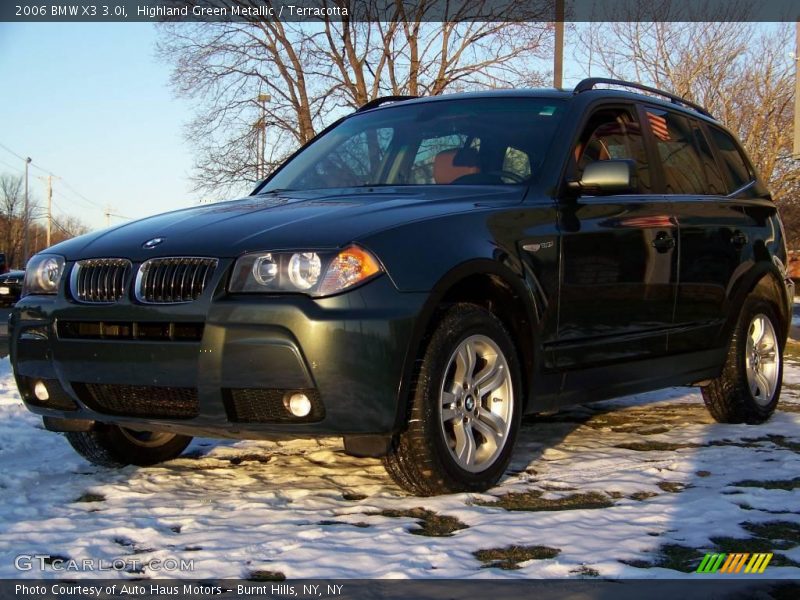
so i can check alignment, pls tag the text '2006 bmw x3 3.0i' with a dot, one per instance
(415, 280)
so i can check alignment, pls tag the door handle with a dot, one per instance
(664, 242)
(739, 239)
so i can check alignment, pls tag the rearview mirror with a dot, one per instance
(606, 177)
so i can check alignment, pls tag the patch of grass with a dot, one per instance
(673, 487)
(260, 575)
(641, 429)
(638, 563)
(703, 473)
(532, 501)
(50, 559)
(126, 542)
(754, 545)
(780, 440)
(767, 537)
(429, 523)
(510, 557)
(585, 572)
(679, 558)
(783, 534)
(771, 484)
(642, 495)
(549, 487)
(353, 497)
(90, 497)
(653, 446)
(259, 458)
(359, 524)
(671, 556)
(129, 543)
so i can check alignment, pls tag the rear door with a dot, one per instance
(713, 225)
(619, 254)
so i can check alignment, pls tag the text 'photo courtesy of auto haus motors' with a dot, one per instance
(416, 279)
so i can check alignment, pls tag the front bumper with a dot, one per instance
(348, 351)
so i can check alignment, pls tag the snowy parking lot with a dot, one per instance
(637, 487)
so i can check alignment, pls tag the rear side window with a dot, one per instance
(714, 178)
(733, 162)
(680, 160)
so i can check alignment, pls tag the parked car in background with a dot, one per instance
(416, 279)
(11, 287)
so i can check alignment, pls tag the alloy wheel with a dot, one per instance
(476, 403)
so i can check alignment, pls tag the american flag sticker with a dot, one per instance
(658, 125)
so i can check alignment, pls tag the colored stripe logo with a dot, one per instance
(736, 562)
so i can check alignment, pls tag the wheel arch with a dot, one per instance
(494, 284)
(763, 280)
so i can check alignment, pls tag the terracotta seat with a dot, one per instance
(452, 164)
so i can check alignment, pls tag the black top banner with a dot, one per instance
(389, 10)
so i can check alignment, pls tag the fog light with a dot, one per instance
(40, 391)
(299, 405)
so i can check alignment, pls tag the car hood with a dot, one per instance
(277, 221)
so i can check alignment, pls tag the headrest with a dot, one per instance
(452, 164)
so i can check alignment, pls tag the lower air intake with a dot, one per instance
(256, 405)
(139, 401)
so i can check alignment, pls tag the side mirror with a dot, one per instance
(606, 177)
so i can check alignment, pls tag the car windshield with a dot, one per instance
(478, 141)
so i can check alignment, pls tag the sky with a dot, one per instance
(91, 104)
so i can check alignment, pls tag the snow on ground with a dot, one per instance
(633, 487)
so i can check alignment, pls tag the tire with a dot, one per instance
(115, 446)
(739, 395)
(434, 454)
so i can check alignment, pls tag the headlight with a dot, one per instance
(43, 274)
(313, 273)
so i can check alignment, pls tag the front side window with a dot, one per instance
(613, 134)
(479, 141)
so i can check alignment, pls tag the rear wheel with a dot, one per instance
(115, 446)
(750, 385)
(465, 410)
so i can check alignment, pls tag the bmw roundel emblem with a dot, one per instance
(150, 244)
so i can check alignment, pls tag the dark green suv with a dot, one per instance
(416, 279)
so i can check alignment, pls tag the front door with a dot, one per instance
(619, 256)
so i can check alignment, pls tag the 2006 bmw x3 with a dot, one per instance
(416, 279)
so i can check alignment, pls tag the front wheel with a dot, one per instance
(750, 385)
(465, 409)
(115, 446)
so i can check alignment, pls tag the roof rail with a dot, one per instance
(591, 82)
(375, 103)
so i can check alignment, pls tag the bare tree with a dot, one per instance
(13, 220)
(742, 72)
(317, 72)
(13, 217)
